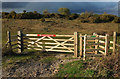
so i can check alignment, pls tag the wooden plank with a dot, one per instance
(102, 52)
(75, 44)
(81, 45)
(51, 46)
(101, 41)
(60, 50)
(90, 52)
(93, 38)
(85, 38)
(9, 40)
(90, 40)
(50, 43)
(114, 42)
(111, 47)
(92, 49)
(20, 42)
(102, 36)
(96, 46)
(111, 42)
(48, 34)
(49, 39)
(106, 44)
(102, 47)
(52, 50)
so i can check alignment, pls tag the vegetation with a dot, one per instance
(64, 13)
(99, 67)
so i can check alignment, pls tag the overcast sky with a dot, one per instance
(60, 0)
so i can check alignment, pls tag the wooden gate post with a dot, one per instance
(9, 40)
(114, 42)
(20, 42)
(85, 39)
(97, 44)
(106, 44)
(75, 44)
(81, 45)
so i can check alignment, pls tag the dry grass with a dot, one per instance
(55, 26)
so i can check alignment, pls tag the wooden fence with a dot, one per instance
(80, 45)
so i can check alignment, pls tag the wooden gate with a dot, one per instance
(56, 43)
(95, 45)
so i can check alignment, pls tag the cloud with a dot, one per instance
(60, 0)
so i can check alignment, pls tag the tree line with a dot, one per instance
(85, 17)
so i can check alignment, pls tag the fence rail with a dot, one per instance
(85, 44)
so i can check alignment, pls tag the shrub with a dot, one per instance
(116, 20)
(12, 14)
(86, 14)
(73, 16)
(64, 11)
(45, 12)
(107, 18)
(42, 20)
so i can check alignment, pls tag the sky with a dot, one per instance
(60, 0)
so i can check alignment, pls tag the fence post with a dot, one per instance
(106, 44)
(114, 42)
(96, 42)
(20, 42)
(9, 40)
(85, 39)
(75, 44)
(81, 45)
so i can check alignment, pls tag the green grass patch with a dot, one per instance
(75, 69)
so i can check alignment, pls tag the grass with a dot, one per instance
(10, 60)
(99, 67)
(75, 69)
(48, 59)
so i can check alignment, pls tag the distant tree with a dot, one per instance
(64, 11)
(45, 12)
(104, 13)
(12, 14)
(24, 11)
(86, 14)
(5, 14)
(35, 12)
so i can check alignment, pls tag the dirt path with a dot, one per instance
(35, 68)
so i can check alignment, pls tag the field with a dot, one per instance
(53, 26)
(56, 26)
